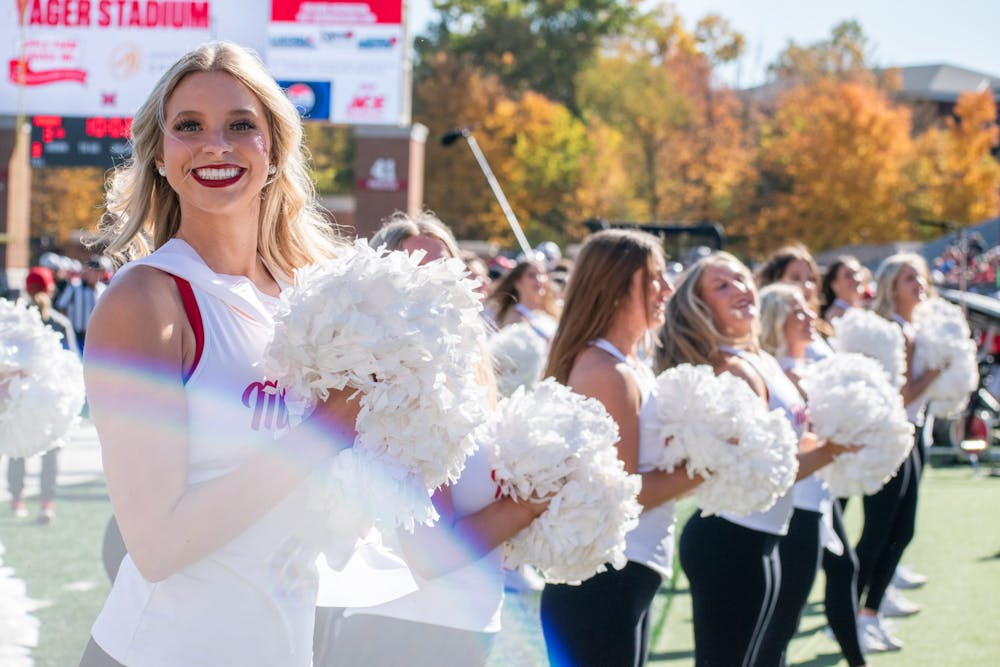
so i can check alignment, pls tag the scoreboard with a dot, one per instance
(80, 141)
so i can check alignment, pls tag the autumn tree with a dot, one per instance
(684, 137)
(954, 177)
(845, 53)
(64, 202)
(540, 153)
(831, 161)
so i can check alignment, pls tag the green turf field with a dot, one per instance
(957, 544)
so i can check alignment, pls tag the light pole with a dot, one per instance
(450, 138)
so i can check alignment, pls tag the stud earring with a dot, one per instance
(272, 170)
(161, 170)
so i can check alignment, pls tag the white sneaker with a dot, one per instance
(895, 604)
(874, 637)
(905, 578)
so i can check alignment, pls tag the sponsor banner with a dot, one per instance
(103, 57)
(337, 13)
(311, 98)
(362, 59)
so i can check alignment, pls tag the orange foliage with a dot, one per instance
(831, 160)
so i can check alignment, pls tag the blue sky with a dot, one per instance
(914, 32)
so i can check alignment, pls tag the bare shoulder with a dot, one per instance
(599, 375)
(743, 370)
(139, 310)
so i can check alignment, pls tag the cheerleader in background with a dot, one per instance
(841, 288)
(794, 265)
(732, 562)
(523, 295)
(890, 514)
(616, 293)
(816, 528)
(453, 616)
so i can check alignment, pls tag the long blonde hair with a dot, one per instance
(143, 211)
(886, 276)
(690, 335)
(776, 302)
(597, 291)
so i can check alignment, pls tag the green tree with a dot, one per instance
(331, 149)
(537, 45)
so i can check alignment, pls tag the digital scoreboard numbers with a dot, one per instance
(79, 141)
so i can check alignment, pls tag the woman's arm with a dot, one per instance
(138, 344)
(815, 454)
(455, 542)
(915, 386)
(598, 376)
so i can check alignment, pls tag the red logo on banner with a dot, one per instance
(29, 77)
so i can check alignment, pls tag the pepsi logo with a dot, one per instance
(302, 96)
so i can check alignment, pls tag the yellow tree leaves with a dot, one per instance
(536, 147)
(64, 201)
(954, 176)
(970, 175)
(831, 165)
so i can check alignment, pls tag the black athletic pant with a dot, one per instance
(840, 601)
(890, 521)
(603, 621)
(735, 578)
(799, 552)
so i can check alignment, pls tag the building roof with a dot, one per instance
(944, 83)
(939, 82)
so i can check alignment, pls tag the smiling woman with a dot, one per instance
(209, 485)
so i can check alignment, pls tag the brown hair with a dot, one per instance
(505, 295)
(600, 281)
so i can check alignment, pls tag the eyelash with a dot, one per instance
(191, 126)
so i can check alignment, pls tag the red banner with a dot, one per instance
(337, 12)
(29, 77)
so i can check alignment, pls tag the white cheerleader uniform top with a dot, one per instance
(651, 542)
(469, 598)
(781, 393)
(250, 602)
(811, 493)
(541, 322)
(916, 410)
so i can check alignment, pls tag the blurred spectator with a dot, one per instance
(80, 297)
(40, 286)
(551, 254)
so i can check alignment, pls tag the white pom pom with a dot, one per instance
(41, 384)
(865, 332)
(551, 442)
(943, 340)
(852, 403)
(408, 337)
(717, 427)
(519, 356)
